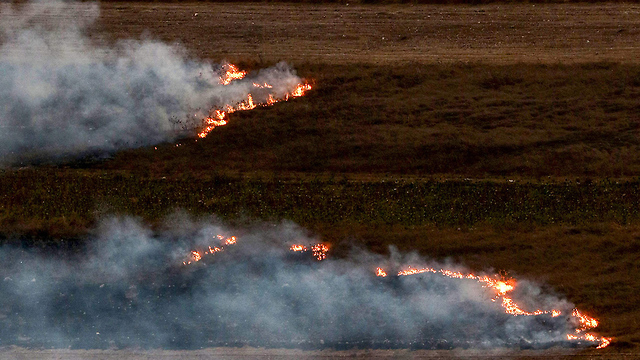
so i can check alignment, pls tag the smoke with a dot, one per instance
(130, 288)
(62, 97)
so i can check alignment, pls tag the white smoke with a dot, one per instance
(62, 96)
(131, 289)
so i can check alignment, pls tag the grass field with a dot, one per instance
(518, 156)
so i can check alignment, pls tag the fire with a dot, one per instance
(586, 322)
(300, 90)
(320, 251)
(412, 271)
(501, 288)
(196, 256)
(263, 86)
(231, 73)
(219, 117)
(298, 248)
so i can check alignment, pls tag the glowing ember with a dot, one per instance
(320, 251)
(501, 288)
(196, 256)
(411, 271)
(298, 248)
(219, 117)
(263, 86)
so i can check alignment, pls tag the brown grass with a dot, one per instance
(476, 121)
(418, 92)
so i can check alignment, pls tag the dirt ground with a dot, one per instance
(257, 353)
(383, 34)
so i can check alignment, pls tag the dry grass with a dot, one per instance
(529, 100)
(475, 121)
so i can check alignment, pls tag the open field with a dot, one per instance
(503, 137)
(341, 33)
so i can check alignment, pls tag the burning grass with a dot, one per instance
(580, 238)
(529, 121)
(261, 290)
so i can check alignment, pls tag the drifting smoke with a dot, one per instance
(132, 289)
(62, 97)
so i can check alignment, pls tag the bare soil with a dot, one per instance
(383, 34)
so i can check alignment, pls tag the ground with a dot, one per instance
(501, 92)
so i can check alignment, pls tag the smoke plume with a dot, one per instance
(62, 97)
(131, 288)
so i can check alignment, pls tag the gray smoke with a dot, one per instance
(131, 289)
(63, 97)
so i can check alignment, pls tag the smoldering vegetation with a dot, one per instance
(62, 97)
(130, 288)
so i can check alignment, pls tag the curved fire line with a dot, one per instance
(220, 116)
(499, 285)
(502, 287)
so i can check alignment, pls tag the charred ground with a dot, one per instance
(378, 153)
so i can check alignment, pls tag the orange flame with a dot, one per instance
(380, 272)
(219, 117)
(501, 288)
(300, 90)
(231, 73)
(298, 248)
(196, 256)
(320, 251)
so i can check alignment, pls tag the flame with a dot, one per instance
(196, 256)
(298, 248)
(300, 90)
(320, 251)
(380, 272)
(586, 322)
(219, 117)
(501, 288)
(231, 73)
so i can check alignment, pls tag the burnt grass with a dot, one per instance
(532, 169)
